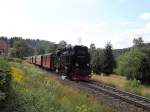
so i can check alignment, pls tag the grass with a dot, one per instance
(122, 83)
(33, 90)
(115, 80)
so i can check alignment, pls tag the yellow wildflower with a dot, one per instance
(17, 74)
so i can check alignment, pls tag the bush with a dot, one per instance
(5, 79)
(134, 64)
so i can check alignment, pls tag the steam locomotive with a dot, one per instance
(72, 62)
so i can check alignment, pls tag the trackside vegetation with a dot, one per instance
(132, 72)
(120, 82)
(5, 83)
(35, 90)
(133, 63)
(102, 60)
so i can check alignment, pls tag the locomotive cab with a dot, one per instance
(74, 62)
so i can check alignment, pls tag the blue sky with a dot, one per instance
(94, 21)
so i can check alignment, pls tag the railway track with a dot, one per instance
(133, 99)
(130, 98)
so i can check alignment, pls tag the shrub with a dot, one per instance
(5, 79)
(133, 86)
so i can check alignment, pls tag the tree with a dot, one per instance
(52, 48)
(134, 64)
(97, 61)
(30, 51)
(62, 44)
(4, 39)
(69, 45)
(41, 50)
(92, 47)
(144, 71)
(138, 42)
(109, 61)
(12, 40)
(21, 49)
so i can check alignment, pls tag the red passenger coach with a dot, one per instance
(39, 60)
(48, 61)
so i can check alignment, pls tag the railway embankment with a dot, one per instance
(35, 90)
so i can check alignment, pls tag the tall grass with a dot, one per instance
(133, 86)
(35, 91)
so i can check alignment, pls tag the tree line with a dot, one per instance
(134, 62)
(21, 48)
(102, 60)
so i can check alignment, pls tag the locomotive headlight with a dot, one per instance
(88, 65)
(76, 64)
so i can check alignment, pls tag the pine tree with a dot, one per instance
(108, 60)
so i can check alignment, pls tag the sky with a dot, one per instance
(87, 21)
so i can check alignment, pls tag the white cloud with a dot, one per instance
(125, 38)
(145, 16)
